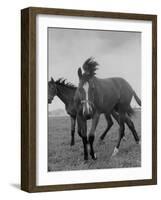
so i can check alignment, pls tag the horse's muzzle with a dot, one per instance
(87, 109)
(88, 116)
(50, 98)
(49, 101)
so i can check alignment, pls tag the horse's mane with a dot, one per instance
(62, 82)
(90, 67)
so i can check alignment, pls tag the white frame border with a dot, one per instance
(43, 177)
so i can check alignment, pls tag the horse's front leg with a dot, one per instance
(92, 135)
(72, 130)
(82, 131)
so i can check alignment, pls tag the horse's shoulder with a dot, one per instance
(70, 109)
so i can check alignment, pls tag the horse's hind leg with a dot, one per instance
(72, 130)
(116, 117)
(109, 125)
(132, 128)
(129, 123)
(121, 133)
(91, 135)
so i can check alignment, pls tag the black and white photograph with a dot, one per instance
(94, 99)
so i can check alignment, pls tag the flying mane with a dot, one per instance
(62, 82)
(90, 67)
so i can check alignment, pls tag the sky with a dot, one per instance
(118, 54)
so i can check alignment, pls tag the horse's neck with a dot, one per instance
(65, 94)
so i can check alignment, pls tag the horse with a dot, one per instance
(66, 93)
(95, 96)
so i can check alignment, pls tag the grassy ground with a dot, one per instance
(62, 157)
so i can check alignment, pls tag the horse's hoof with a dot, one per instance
(102, 138)
(138, 142)
(94, 157)
(85, 158)
(72, 144)
(115, 151)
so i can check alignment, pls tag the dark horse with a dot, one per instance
(66, 92)
(95, 96)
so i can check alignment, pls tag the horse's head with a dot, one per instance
(86, 94)
(51, 90)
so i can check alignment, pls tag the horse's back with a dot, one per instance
(115, 90)
(117, 82)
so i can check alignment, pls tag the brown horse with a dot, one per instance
(95, 96)
(66, 92)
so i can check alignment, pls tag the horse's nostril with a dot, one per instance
(88, 116)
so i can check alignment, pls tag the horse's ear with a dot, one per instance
(52, 80)
(79, 73)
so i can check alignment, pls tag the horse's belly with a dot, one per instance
(108, 105)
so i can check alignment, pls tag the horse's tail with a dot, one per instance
(137, 98)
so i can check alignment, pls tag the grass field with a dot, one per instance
(62, 157)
